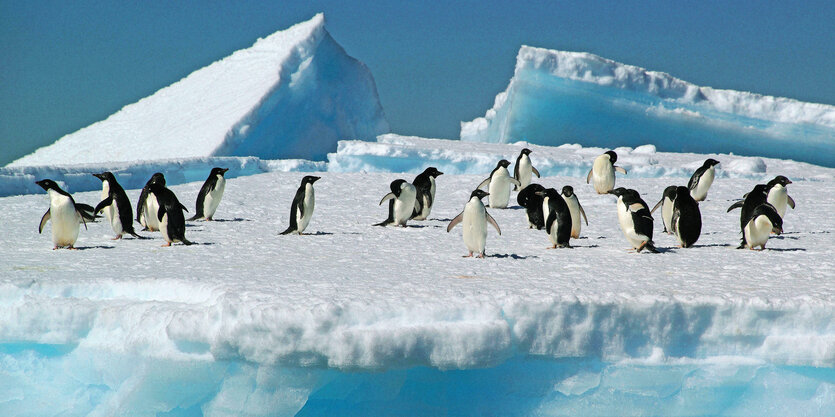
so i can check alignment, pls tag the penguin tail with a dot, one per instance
(195, 217)
(385, 222)
(138, 236)
(288, 231)
(187, 242)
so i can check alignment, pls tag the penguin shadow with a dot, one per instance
(714, 245)
(783, 236)
(509, 255)
(786, 249)
(441, 220)
(584, 246)
(321, 233)
(508, 208)
(94, 247)
(236, 219)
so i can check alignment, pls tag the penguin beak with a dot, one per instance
(439, 174)
(99, 176)
(223, 171)
(315, 179)
(42, 183)
(777, 230)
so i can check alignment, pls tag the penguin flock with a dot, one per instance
(559, 213)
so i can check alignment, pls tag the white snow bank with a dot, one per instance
(562, 97)
(292, 94)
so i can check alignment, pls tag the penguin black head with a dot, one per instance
(779, 180)
(157, 178)
(526, 151)
(478, 193)
(504, 163)
(310, 179)
(671, 192)
(681, 191)
(618, 192)
(710, 162)
(548, 192)
(769, 211)
(105, 176)
(219, 171)
(397, 185)
(613, 157)
(48, 184)
(568, 191)
(432, 172)
(759, 189)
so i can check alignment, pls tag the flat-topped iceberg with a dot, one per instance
(560, 97)
(293, 94)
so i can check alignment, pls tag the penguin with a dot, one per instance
(762, 221)
(498, 184)
(65, 215)
(475, 218)
(302, 208)
(603, 172)
(576, 210)
(425, 187)
(210, 194)
(403, 205)
(686, 222)
(635, 219)
(532, 203)
(666, 204)
(148, 206)
(558, 221)
(116, 205)
(778, 195)
(702, 179)
(524, 169)
(753, 199)
(172, 222)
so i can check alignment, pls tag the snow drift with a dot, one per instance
(292, 94)
(558, 97)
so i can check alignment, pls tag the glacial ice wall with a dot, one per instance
(293, 94)
(558, 97)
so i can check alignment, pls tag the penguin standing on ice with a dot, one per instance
(635, 219)
(210, 194)
(425, 188)
(403, 205)
(475, 218)
(172, 222)
(532, 202)
(301, 210)
(686, 221)
(523, 170)
(148, 206)
(666, 204)
(778, 195)
(576, 210)
(701, 180)
(498, 184)
(65, 215)
(558, 221)
(116, 205)
(603, 172)
(761, 222)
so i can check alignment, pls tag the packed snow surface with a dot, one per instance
(560, 97)
(361, 320)
(292, 94)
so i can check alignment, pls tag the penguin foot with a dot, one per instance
(208, 219)
(116, 238)
(468, 256)
(480, 256)
(166, 244)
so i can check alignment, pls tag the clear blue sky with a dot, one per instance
(65, 65)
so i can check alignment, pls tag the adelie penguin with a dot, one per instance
(301, 210)
(148, 206)
(686, 221)
(474, 220)
(403, 206)
(523, 170)
(778, 195)
(532, 202)
(558, 220)
(701, 180)
(210, 194)
(172, 222)
(758, 217)
(635, 219)
(602, 173)
(666, 204)
(425, 193)
(64, 213)
(116, 205)
(576, 210)
(498, 185)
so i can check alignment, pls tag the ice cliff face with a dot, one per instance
(293, 94)
(560, 97)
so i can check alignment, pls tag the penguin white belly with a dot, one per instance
(151, 209)
(757, 231)
(525, 171)
(115, 220)
(574, 209)
(700, 192)
(667, 214)
(628, 226)
(163, 227)
(308, 203)
(603, 175)
(779, 198)
(555, 231)
(109, 210)
(545, 209)
(212, 199)
(499, 189)
(475, 227)
(404, 205)
(65, 220)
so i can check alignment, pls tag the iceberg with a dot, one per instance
(293, 94)
(558, 97)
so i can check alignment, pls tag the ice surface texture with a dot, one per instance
(292, 94)
(558, 97)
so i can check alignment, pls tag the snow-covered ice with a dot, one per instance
(558, 97)
(292, 94)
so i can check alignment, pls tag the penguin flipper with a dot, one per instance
(583, 212)
(588, 177)
(657, 205)
(386, 197)
(790, 201)
(619, 169)
(515, 182)
(674, 221)
(485, 182)
(493, 222)
(552, 217)
(160, 212)
(535, 172)
(104, 203)
(736, 205)
(455, 221)
(44, 219)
